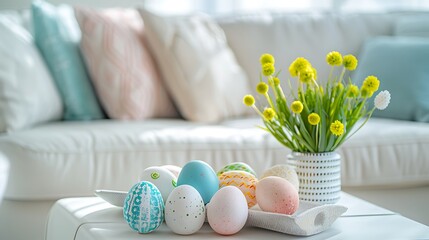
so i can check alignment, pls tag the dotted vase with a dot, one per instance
(319, 176)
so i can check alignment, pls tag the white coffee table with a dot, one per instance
(92, 218)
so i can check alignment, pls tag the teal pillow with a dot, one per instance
(402, 66)
(56, 34)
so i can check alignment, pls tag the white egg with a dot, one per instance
(163, 179)
(284, 171)
(227, 211)
(184, 210)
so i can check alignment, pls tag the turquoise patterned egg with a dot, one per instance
(144, 207)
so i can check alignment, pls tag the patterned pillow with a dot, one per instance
(199, 68)
(122, 70)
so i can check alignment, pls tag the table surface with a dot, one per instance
(94, 219)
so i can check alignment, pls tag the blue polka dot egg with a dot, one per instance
(144, 207)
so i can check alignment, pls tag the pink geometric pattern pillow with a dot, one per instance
(122, 70)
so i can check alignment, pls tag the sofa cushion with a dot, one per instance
(57, 35)
(123, 72)
(198, 66)
(73, 159)
(412, 26)
(28, 95)
(401, 64)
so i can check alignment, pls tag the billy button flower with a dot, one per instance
(268, 69)
(269, 114)
(296, 106)
(314, 118)
(353, 91)
(262, 88)
(276, 81)
(298, 66)
(266, 58)
(306, 75)
(337, 128)
(365, 92)
(350, 62)
(249, 100)
(371, 83)
(334, 58)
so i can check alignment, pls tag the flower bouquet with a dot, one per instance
(319, 118)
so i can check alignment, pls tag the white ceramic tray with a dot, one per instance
(308, 220)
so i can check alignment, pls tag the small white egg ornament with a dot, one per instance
(163, 179)
(144, 207)
(227, 211)
(284, 171)
(184, 210)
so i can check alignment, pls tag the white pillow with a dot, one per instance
(28, 95)
(200, 70)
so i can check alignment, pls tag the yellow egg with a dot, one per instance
(244, 181)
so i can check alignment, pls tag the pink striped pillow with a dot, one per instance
(122, 70)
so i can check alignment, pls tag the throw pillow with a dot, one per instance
(123, 72)
(28, 94)
(401, 64)
(200, 70)
(57, 36)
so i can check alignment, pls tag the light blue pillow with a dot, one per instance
(57, 35)
(402, 66)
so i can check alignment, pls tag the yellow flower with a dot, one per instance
(306, 75)
(249, 100)
(269, 114)
(371, 83)
(266, 58)
(298, 65)
(314, 118)
(353, 91)
(339, 86)
(350, 62)
(262, 88)
(365, 92)
(337, 128)
(276, 81)
(297, 107)
(268, 69)
(334, 58)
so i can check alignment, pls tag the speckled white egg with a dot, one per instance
(143, 207)
(284, 171)
(184, 210)
(244, 181)
(227, 211)
(163, 179)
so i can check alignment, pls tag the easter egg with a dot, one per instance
(201, 176)
(283, 171)
(163, 179)
(237, 166)
(227, 211)
(144, 207)
(175, 170)
(184, 210)
(244, 181)
(276, 194)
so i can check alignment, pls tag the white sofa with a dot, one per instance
(66, 159)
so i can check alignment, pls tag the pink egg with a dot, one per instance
(276, 194)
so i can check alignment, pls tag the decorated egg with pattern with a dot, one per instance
(184, 210)
(163, 179)
(144, 207)
(237, 166)
(244, 181)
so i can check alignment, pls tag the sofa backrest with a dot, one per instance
(310, 35)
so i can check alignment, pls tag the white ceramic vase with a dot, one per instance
(319, 176)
